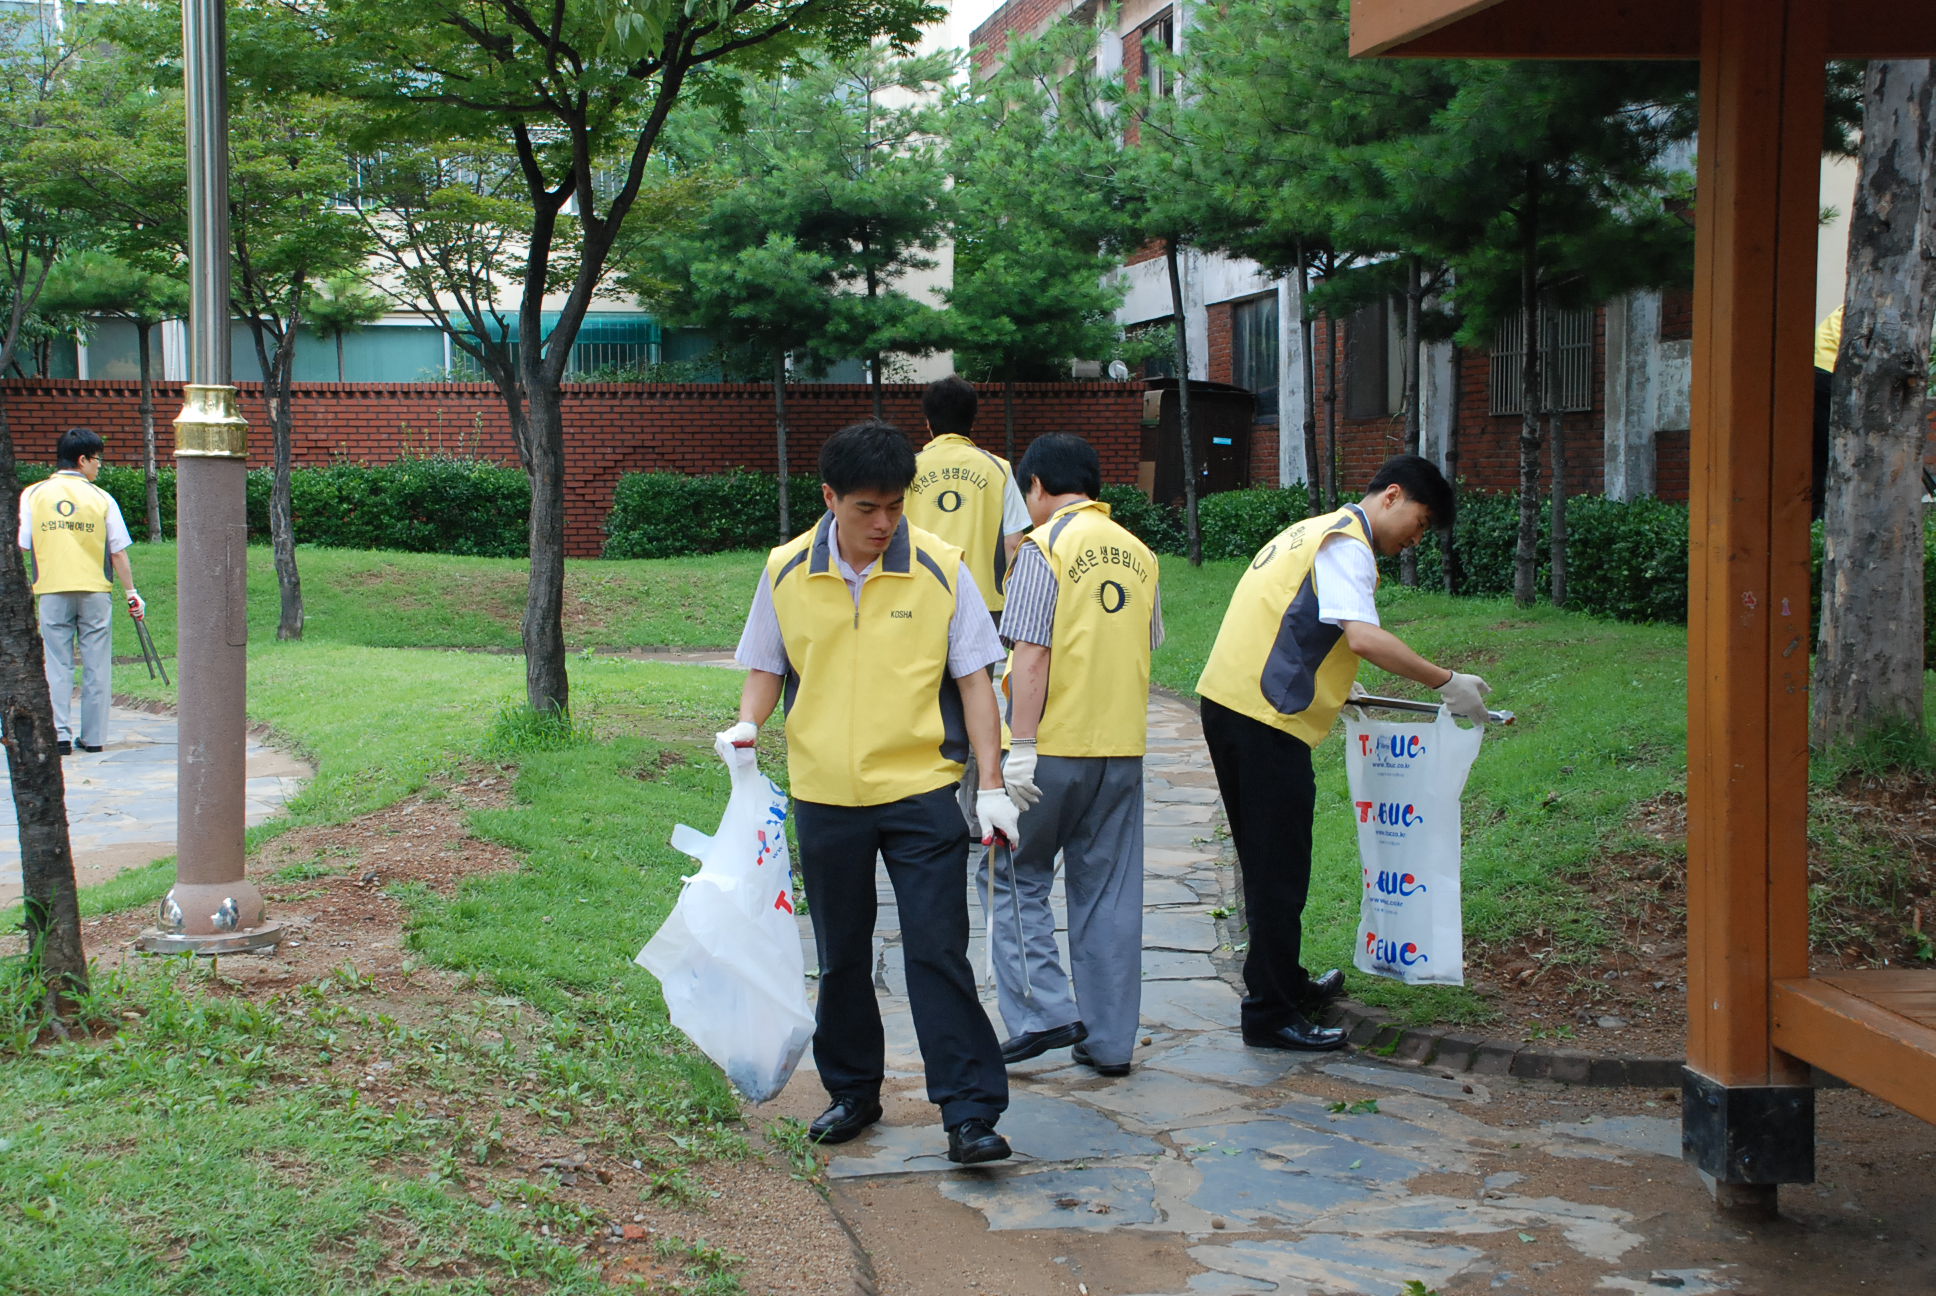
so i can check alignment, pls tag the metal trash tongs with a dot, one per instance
(1001, 847)
(148, 653)
(1418, 708)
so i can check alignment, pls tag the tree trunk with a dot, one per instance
(339, 355)
(1526, 553)
(53, 915)
(780, 436)
(1309, 328)
(1331, 419)
(546, 686)
(1008, 412)
(144, 332)
(282, 519)
(1454, 575)
(1556, 548)
(1183, 404)
(1414, 419)
(1869, 662)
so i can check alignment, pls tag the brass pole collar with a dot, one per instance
(211, 425)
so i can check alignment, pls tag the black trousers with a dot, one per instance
(1270, 795)
(924, 843)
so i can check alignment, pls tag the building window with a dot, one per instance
(1154, 39)
(1565, 362)
(1253, 351)
(1373, 385)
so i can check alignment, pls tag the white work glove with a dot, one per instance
(1357, 691)
(137, 606)
(736, 744)
(998, 816)
(1018, 774)
(1466, 696)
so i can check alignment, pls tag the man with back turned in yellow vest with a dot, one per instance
(875, 632)
(1284, 663)
(968, 497)
(75, 532)
(1083, 615)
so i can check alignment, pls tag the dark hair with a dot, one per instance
(950, 404)
(1421, 480)
(76, 442)
(1064, 463)
(872, 456)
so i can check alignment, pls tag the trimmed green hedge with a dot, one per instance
(432, 505)
(672, 515)
(1157, 525)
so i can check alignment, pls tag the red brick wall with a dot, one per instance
(988, 42)
(609, 430)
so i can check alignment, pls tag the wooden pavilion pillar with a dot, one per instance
(1748, 1111)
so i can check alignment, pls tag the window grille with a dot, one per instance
(1565, 362)
(1253, 351)
(1368, 363)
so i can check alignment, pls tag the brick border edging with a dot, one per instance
(1373, 1030)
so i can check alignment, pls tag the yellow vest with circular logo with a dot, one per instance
(1274, 661)
(872, 715)
(70, 535)
(1099, 665)
(957, 494)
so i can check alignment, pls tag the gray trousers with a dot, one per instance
(1091, 813)
(90, 619)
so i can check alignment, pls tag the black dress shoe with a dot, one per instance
(1321, 990)
(64, 747)
(975, 1141)
(86, 748)
(1081, 1054)
(842, 1121)
(1020, 1048)
(1298, 1034)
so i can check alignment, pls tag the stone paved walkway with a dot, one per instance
(121, 800)
(1237, 1155)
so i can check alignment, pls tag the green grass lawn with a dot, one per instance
(204, 1144)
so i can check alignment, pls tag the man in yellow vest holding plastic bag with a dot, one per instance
(75, 531)
(1083, 616)
(1301, 619)
(876, 634)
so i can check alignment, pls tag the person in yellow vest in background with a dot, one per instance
(875, 632)
(968, 497)
(1828, 349)
(964, 494)
(75, 531)
(1284, 663)
(1083, 616)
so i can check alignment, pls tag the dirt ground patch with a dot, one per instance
(1872, 891)
(331, 886)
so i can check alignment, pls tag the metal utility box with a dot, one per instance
(1220, 419)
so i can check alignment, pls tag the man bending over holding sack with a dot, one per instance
(875, 632)
(1285, 661)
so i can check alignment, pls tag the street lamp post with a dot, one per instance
(212, 908)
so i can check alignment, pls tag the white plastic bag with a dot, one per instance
(1406, 780)
(729, 955)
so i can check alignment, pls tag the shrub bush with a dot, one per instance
(1236, 524)
(1157, 525)
(671, 515)
(430, 505)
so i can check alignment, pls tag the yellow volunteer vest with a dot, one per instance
(70, 535)
(1099, 665)
(957, 494)
(872, 715)
(1274, 661)
(1828, 340)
